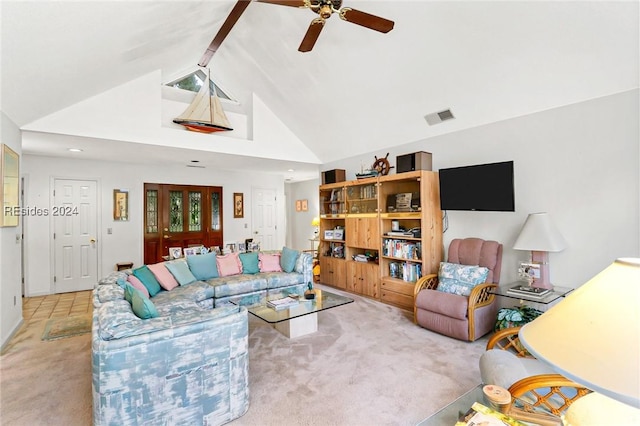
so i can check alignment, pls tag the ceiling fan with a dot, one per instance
(325, 8)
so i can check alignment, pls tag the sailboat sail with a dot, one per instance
(205, 113)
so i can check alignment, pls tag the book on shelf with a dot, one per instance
(526, 290)
(282, 303)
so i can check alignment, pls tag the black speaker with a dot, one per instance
(333, 176)
(416, 161)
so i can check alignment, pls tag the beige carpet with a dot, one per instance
(367, 365)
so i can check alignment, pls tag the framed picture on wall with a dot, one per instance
(120, 204)
(298, 205)
(304, 205)
(9, 186)
(238, 205)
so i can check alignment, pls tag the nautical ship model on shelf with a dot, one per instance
(205, 113)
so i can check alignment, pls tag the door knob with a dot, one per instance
(92, 240)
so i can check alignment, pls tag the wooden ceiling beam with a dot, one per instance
(228, 24)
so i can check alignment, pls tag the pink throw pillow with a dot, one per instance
(136, 283)
(164, 276)
(229, 264)
(269, 262)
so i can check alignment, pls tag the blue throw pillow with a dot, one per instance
(288, 259)
(128, 292)
(141, 306)
(181, 272)
(122, 282)
(203, 266)
(460, 279)
(147, 278)
(250, 263)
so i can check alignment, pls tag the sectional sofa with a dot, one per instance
(180, 354)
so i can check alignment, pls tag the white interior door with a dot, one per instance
(74, 213)
(264, 218)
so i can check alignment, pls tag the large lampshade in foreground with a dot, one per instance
(593, 335)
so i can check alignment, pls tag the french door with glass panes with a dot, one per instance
(180, 216)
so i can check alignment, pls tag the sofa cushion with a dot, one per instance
(250, 262)
(282, 279)
(136, 283)
(451, 305)
(269, 262)
(181, 272)
(142, 306)
(148, 279)
(460, 279)
(163, 276)
(184, 295)
(237, 284)
(288, 259)
(203, 266)
(229, 264)
(128, 292)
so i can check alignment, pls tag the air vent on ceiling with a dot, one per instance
(439, 117)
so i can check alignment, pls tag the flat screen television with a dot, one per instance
(482, 187)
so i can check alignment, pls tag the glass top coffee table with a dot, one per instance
(302, 318)
(449, 414)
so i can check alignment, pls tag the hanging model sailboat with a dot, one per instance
(205, 113)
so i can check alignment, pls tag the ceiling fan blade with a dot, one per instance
(366, 20)
(226, 27)
(311, 36)
(291, 3)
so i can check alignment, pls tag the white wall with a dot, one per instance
(299, 223)
(579, 162)
(10, 253)
(126, 241)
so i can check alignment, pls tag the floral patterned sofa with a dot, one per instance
(178, 354)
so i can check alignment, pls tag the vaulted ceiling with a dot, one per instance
(358, 90)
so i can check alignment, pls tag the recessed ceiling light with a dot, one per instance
(75, 150)
(291, 170)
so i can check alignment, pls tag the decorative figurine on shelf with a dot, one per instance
(380, 167)
(310, 293)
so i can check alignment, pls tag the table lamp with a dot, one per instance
(541, 236)
(593, 336)
(315, 222)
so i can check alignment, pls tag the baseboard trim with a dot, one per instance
(13, 333)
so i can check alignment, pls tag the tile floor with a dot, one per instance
(56, 305)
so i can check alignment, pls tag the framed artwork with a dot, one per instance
(175, 252)
(305, 205)
(242, 248)
(298, 205)
(191, 251)
(238, 204)
(120, 204)
(10, 184)
(328, 234)
(216, 250)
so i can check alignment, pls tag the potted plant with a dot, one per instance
(516, 316)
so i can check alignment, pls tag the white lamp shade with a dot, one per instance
(539, 233)
(593, 336)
